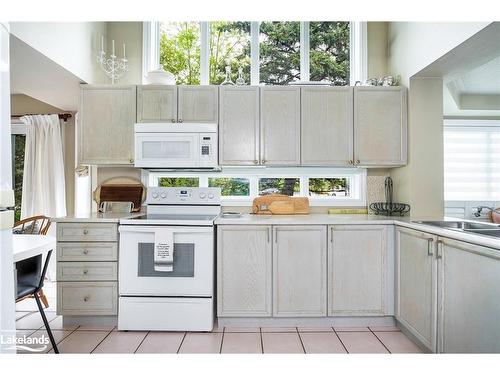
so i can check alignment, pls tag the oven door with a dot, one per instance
(193, 266)
(173, 150)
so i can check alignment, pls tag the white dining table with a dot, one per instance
(26, 246)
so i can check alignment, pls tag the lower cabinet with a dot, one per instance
(416, 284)
(244, 267)
(299, 271)
(358, 259)
(87, 298)
(469, 298)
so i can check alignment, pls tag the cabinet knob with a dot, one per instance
(357, 162)
(350, 162)
(85, 231)
(85, 272)
(86, 298)
(85, 251)
(180, 120)
(256, 162)
(131, 161)
(263, 161)
(173, 120)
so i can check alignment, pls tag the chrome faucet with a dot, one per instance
(479, 209)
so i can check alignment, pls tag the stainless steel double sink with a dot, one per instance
(485, 229)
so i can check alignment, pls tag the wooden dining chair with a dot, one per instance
(34, 225)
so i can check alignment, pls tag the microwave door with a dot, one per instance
(173, 150)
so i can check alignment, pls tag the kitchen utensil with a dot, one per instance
(262, 205)
(495, 216)
(389, 208)
(121, 189)
(107, 206)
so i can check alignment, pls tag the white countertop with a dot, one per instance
(328, 219)
(25, 246)
(91, 217)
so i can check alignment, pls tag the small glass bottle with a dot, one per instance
(240, 81)
(227, 80)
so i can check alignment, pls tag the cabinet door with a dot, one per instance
(156, 103)
(380, 126)
(357, 270)
(280, 125)
(244, 266)
(106, 125)
(198, 104)
(416, 284)
(326, 128)
(299, 271)
(239, 125)
(469, 298)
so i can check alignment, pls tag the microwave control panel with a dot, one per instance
(208, 149)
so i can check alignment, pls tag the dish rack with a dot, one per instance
(388, 208)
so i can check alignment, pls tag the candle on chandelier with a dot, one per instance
(113, 48)
(124, 51)
(102, 43)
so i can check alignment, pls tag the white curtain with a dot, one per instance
(43, 177)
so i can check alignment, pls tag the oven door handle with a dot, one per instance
(151, 229)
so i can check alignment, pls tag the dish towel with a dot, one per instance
(164, 250)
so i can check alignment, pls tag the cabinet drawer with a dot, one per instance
(87, 271)
(87, 232)
(83, 251)
(87, 298)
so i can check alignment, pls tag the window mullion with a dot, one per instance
(254, 53)
(304, 51)
(204, 53)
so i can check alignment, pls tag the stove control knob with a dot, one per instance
(210, 196)
(203, 195)
(155, 195)
(163, 195)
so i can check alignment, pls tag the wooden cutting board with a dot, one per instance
(495, 216)
(278, 204)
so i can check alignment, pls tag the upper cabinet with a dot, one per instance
(327, 128)
(106, 125)
(380, 127)
(239, 125)
(156, 103)
(280, 125)
(198, 104)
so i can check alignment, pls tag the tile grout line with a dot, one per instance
(64, 338)
(261, 341)
(100, 342)
(182, 342)
(374, 334)
(301, 342)
(336, 333)
(144, 338)
(222, 340)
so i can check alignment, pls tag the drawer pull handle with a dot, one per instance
(430, 251)
(85, 231)
(85, 272)
(86, 298)
(85, 251)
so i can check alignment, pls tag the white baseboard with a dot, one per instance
(379, 321)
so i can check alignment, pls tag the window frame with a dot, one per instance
(357, 177)
(358, 51)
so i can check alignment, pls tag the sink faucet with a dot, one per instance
(479, 209)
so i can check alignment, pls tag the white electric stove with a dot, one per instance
(181, 299)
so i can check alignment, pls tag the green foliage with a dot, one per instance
(279, 51)
(286, 186)
(179, 181)
(328, 186)
(231, 186)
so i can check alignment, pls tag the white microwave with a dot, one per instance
(160, 145)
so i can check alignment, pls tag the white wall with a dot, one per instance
(73, 46)
(415, 45)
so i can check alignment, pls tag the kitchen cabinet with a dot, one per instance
(157, 103)
(416, 285)
(299, 271)
(244, 268)
(239, 125)
(468, 295)
(358, 271)
(327, 126)
(380, 126)
(198, 104)
(106, 125)
(280, 125)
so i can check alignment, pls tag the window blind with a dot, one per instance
(471, 160)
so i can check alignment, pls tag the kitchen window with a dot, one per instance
(276, 53)
(471, 160)
(239, 185)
